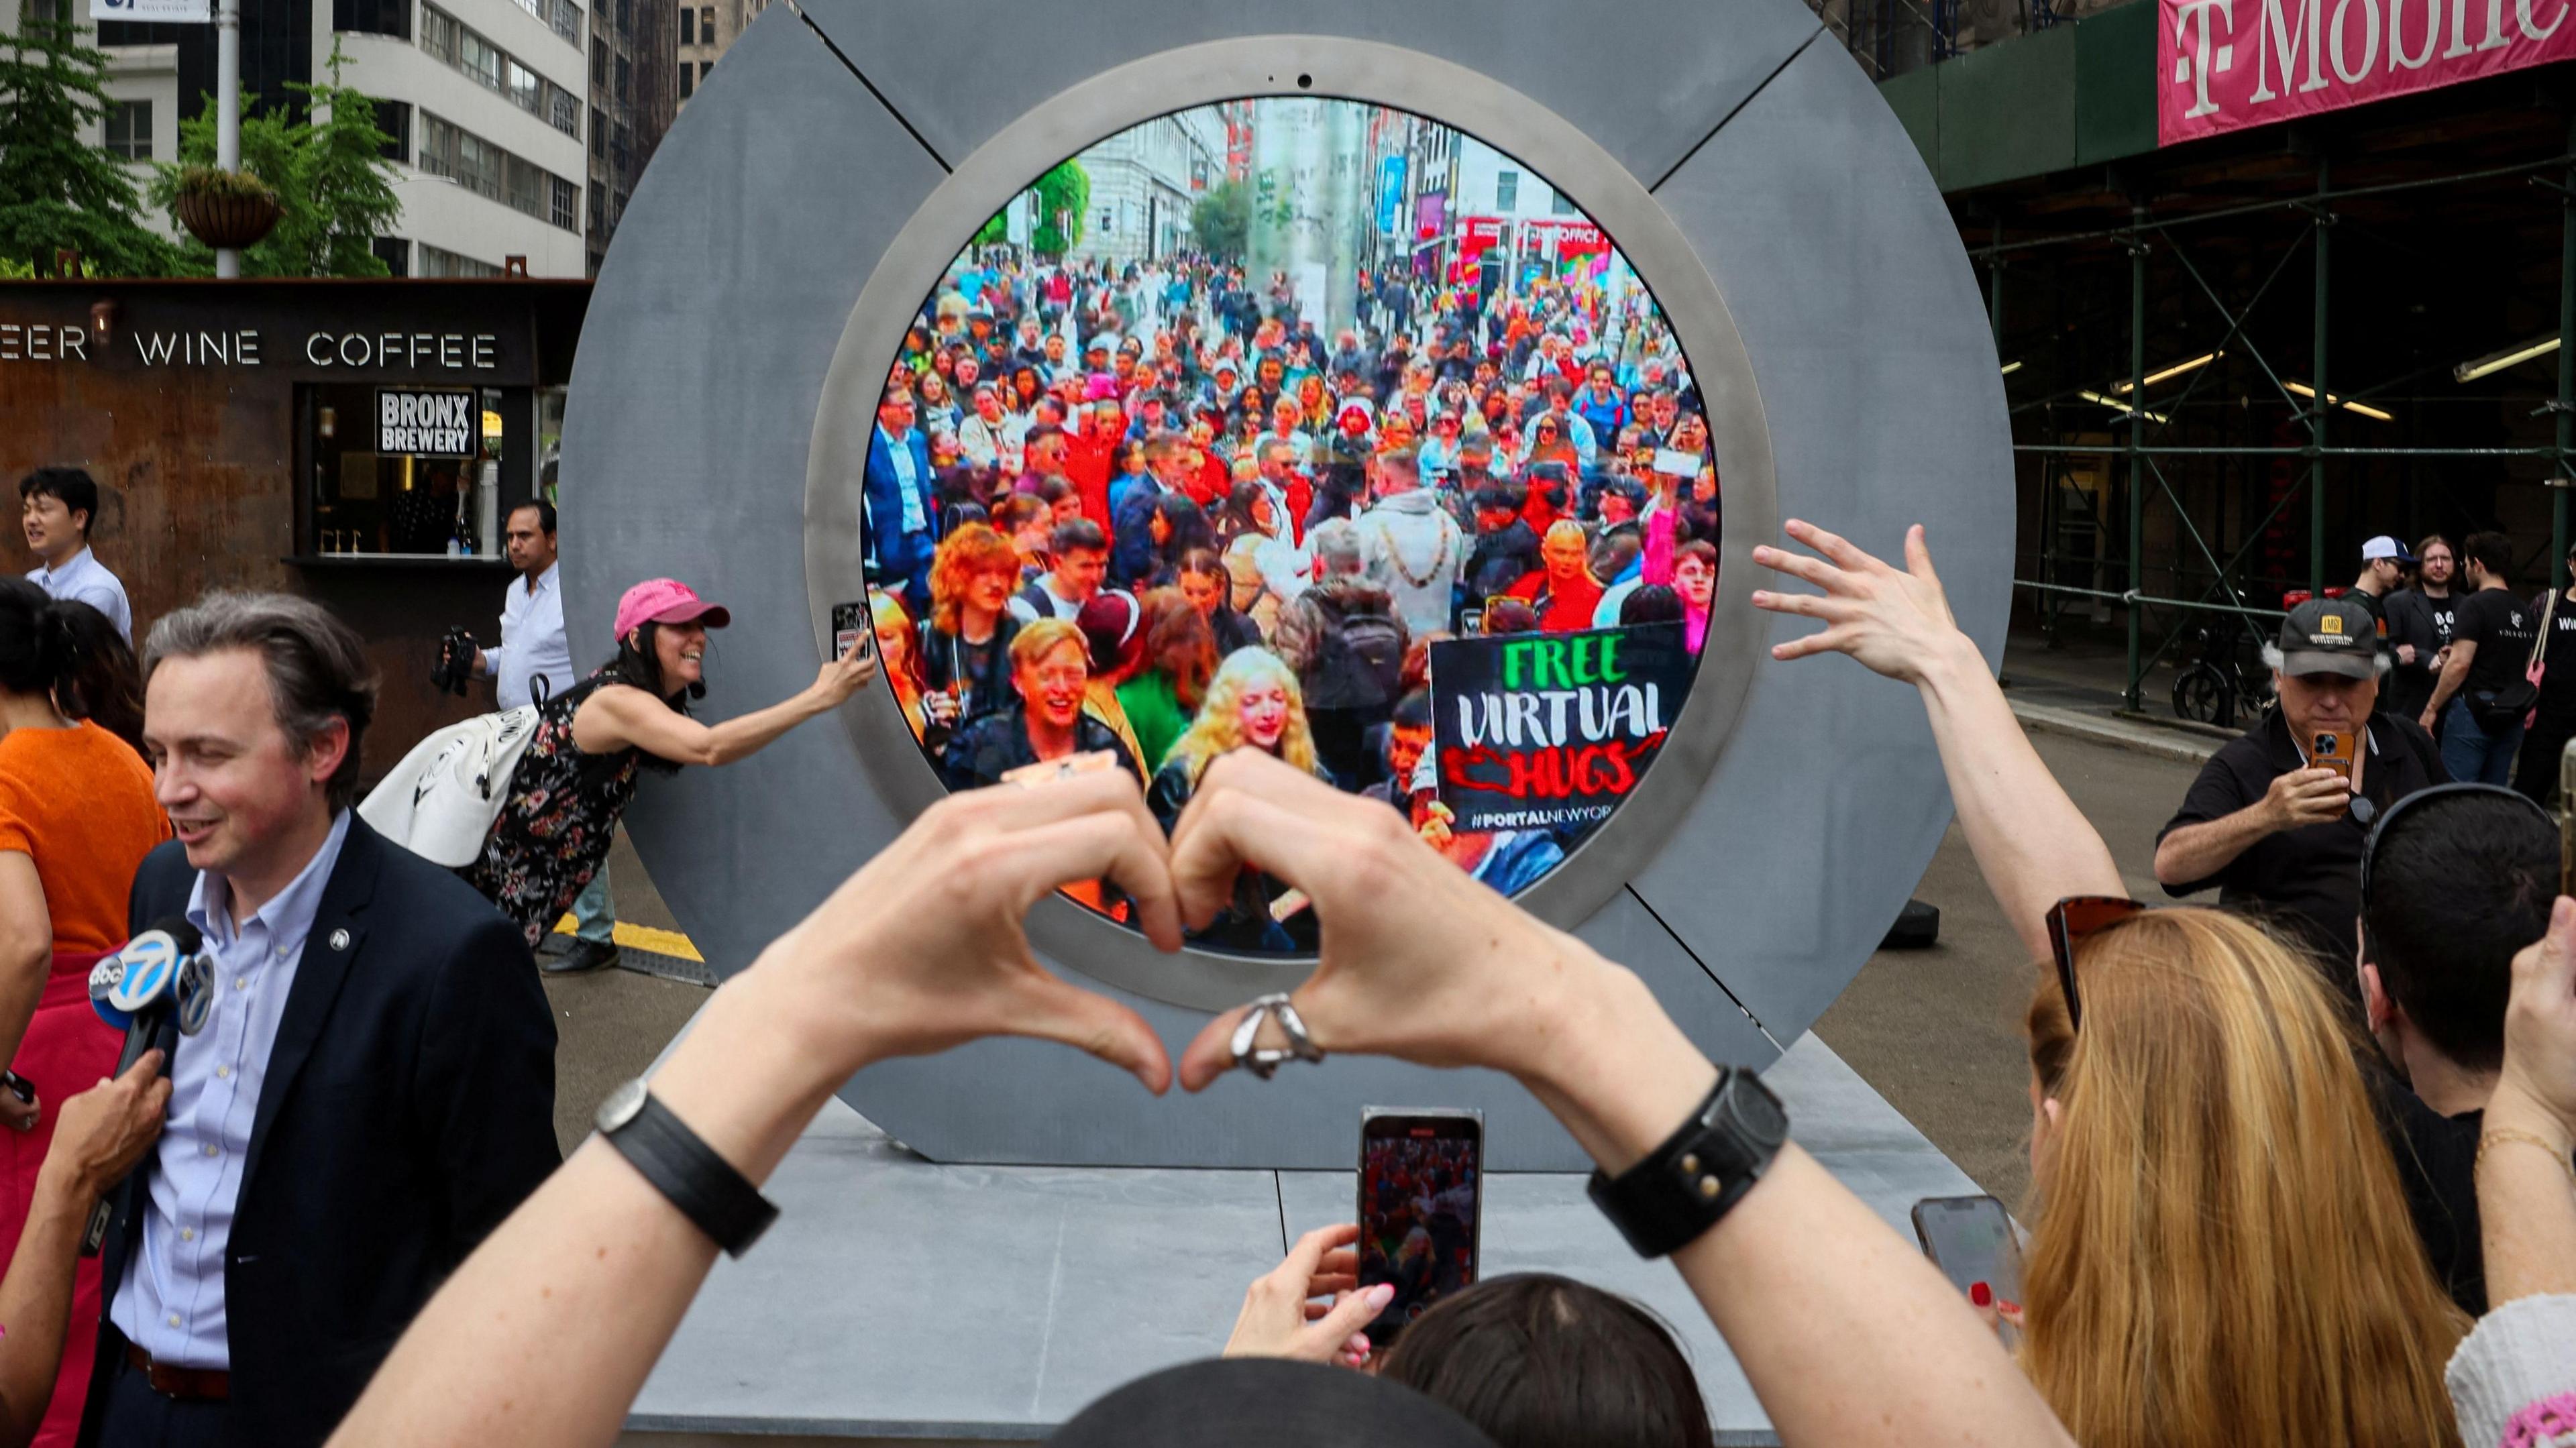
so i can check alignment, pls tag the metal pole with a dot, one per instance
(2317, 406)
(2566, 373)
(2137, 440)
(228, 110)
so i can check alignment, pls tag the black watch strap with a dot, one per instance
(681, 1166)
(1683, 1187)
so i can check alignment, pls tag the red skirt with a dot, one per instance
(66, 1050)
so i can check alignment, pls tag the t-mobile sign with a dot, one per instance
(427, 424)
(2222, 65)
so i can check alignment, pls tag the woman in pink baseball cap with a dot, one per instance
(579, 771)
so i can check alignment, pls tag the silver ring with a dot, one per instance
(1265, 1063)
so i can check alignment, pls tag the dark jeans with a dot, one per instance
(137, 1417)
(2471, 753)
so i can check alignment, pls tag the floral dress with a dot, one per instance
(554, 830)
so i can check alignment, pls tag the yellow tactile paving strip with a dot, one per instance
(644, 937)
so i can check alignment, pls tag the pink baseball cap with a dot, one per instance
(666, 600)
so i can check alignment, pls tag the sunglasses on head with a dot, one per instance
(2071, 922)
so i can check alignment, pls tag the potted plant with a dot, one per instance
(226, 209)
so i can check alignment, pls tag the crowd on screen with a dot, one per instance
(1252, 531)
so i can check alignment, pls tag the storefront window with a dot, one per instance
(405, 471)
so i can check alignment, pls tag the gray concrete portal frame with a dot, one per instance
(794, 220)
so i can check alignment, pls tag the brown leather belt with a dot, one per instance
(205, 1385)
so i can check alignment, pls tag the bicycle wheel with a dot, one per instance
(2201, 694)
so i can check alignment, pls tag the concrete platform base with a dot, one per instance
(899, 1301)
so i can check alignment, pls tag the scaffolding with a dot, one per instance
(2307, 443)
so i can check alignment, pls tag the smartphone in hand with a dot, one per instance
(1971, 1239)
(853, 630)
(2332, 749)
(1421, 1210)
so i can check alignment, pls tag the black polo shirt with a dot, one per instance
(2306, 880)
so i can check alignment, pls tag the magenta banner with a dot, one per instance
(2223, 65)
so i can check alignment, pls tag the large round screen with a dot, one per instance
(1305, 426)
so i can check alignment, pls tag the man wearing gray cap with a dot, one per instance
(2277, 818)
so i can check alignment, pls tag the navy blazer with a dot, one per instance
(894, 554)
(408, 1108)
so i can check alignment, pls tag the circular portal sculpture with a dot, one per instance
(784, 241)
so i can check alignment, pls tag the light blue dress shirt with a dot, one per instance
(84, 578)
(171, 1303)
(532, 642)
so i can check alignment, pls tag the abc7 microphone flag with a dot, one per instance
(166, 963)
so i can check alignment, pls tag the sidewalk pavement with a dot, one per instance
(2075, 689)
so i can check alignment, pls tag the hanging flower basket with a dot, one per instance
(226, 209)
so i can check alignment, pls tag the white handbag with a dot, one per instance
(441, 800)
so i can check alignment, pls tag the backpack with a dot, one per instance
(1373, 647)
(441, 800)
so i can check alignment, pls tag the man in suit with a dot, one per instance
(902, 504)
(373, 1090)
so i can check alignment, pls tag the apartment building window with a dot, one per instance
(463, 47)
(567, 21)
(129, 130)
(440, 262)
(705, 68)
(598, 134)
(394, 252)
(688, 79)
(1507, 190)
(688, 27)
(625, 17)
(485, 169)
(707, 24)
(1560, 204)
(373, 17)
(598, 61)
(598, 208)
(394, 119)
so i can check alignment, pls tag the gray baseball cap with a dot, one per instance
(2330, 636)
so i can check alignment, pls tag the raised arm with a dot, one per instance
(1847, 1333)
(2526, 1194)
(619, 716)
(545, 1334)
(2034, 847)
(2192, 853)
(102, 1133)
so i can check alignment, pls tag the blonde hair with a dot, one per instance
(1036, 640)
(1219, 726)
(2222, 1253)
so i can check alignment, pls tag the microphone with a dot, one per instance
(159, 985)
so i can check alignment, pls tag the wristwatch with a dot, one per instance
(682, 1167)
(1682, 1188)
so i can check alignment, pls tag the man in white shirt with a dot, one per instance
(532, 645)
(533, 654)
(56, 507)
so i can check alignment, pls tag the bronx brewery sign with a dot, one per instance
(2223, 65)
(428, 424)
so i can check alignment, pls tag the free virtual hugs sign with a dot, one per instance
(1538, 731)
(2223, 65)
